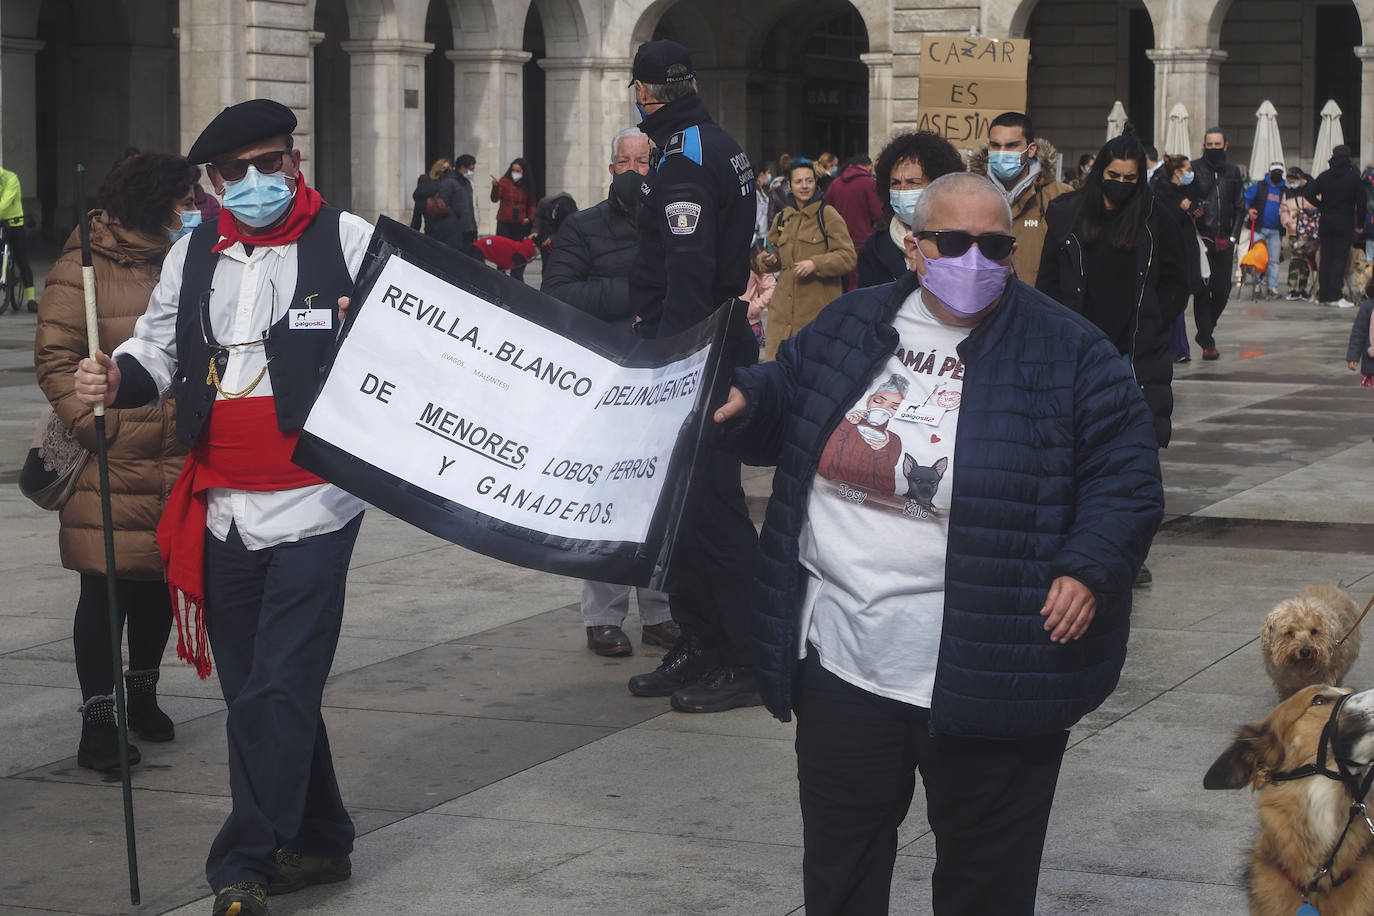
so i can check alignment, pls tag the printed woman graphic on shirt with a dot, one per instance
(863, 452)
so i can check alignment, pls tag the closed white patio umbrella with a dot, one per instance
(1116, 121)
(1329, 136)
(1176, 141)
(1268, 147)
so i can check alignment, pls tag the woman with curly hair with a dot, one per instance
(148, 202)
(906, 165)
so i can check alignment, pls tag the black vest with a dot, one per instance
(295, 359)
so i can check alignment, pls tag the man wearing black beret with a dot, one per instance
(256, 549)
(696, 219)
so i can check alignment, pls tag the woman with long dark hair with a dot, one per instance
(516, 196)
(1116, 258)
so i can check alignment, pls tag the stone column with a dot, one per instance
(306, 140)
(214, 62)
(488, 117)
(879, 99)
(1366, 55)
(19, 85)
(386, 101)
(584, 109)
(1191, 76)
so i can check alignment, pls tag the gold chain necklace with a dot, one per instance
(212, 378)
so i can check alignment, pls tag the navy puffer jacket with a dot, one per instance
(1057, 475)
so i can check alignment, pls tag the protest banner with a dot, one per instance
(966, 82)
(482, 411)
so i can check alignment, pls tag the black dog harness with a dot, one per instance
(1358, 789)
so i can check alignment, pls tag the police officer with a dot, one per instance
(696, 219)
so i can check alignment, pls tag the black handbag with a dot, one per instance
(53, 465)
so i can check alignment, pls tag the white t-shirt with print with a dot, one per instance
(878, 517)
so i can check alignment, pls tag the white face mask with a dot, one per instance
(516, 176)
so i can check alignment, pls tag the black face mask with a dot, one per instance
(1118, 192)
(1276, 177)
(1214, 157)
(625, 186)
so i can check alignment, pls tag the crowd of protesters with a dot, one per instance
(855, 273)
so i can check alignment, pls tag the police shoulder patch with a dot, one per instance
(683, 217)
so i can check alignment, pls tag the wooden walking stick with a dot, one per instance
(103, 459)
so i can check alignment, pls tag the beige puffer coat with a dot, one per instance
(796, 236)
(145, 456)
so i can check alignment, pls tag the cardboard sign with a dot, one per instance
(966, 82)
(484, 412)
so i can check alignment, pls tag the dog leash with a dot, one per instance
(1356, 623)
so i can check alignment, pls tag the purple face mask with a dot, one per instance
(967, 285)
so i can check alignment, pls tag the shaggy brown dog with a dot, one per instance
(1300, 635)
(1302, 820)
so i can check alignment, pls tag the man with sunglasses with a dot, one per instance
(256, 549)
(959, 615)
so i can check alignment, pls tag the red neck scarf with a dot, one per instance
(240, 448)
(303, 209)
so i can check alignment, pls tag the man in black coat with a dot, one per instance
(1220, 188)
(1340, 196)
(588, 267)
(696, 219)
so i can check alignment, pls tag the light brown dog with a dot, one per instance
(1300, 636)
(1303, 820)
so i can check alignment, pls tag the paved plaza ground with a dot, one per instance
(495, 766)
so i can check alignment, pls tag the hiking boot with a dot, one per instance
(243, 898)
(296, 870)
(1142, 577)
(1210, 353)
(145, 718)
(99, 748)
(687, 661)
(723, 687)
(665, 634)
(609, 641)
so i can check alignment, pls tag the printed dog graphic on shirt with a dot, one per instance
(922, 482)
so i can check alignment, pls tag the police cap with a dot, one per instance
(242, 124)
(653, 59)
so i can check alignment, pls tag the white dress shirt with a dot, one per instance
(251, 292)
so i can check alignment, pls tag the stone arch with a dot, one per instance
(566, 29)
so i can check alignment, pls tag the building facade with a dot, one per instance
(382, 87)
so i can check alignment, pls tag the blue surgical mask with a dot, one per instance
(190, 219)
(1187, 179)
(258, 200)
(904, 203)
(1005, 164)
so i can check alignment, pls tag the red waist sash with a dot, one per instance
(240, 448)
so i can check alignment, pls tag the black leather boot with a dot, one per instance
(99, 749)
(145, 718)
(719, 689)
(684, 664)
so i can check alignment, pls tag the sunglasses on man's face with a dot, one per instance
(951, 243)
(266, 164)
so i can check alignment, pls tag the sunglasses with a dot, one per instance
(953, 242)
(265, 163)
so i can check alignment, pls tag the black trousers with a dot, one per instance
(19, 250)
(988, 803)
(1334, 250)
(712, 582)
(145, 609)
(273, 616)
(1210, 301)
(519, 232)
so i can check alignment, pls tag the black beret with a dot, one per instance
(653, 59)
(242, 124)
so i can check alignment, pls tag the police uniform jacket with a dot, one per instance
(696, 220)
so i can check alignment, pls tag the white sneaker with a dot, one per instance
(1344, 304)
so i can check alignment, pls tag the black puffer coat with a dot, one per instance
(589, 267)
(446, 228)
(1157, 293)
